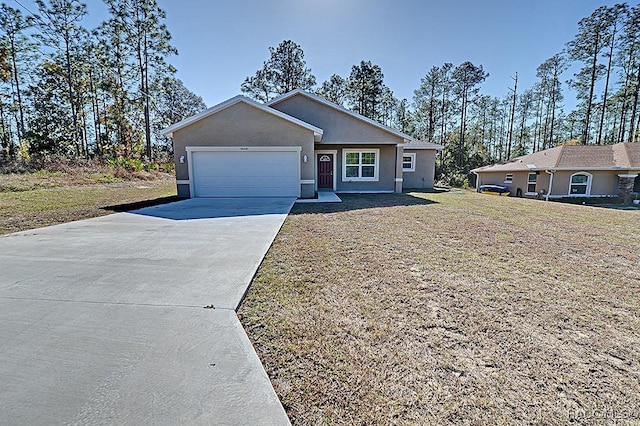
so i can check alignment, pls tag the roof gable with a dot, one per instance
(317, 132)
(633, 153)
(353, 116)
(586, 156)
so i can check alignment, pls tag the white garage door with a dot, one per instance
(251, 173)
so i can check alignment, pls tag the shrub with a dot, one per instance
(128, 164)
(454, 180)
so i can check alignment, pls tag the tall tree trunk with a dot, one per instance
(72, 103)
(596, 49)
(552, 105)
(443, 116)
(484, 125)
(606, 85)
(502, 131)
(522, 123)
(634, 108)
(96, 112)
(513, 113)
(107, 132)
(538, 124)
(6, 131)
(546, 142)
(147, 118)
(18, 92)
(462, 128)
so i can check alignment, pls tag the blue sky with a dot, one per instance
(220, 42)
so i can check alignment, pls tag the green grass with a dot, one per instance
(450, 308)
(46, 198)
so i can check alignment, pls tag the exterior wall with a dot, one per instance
(520, 181)
(425, 170)
(604, 182)
(398, 180)
(244, 125)
(386, 169)
(338, 127)
(183, 190)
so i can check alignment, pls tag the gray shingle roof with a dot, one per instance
(572, 157)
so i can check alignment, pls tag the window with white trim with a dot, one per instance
(409, 162)
(508, 178)
(580, 184)
(360, 164)
(532, 180)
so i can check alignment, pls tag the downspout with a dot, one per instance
(546, 198)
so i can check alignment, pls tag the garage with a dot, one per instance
(244, 171)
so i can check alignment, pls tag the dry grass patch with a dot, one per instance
(453, 308)
(32, 200)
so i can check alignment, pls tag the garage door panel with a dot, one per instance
(245, 173)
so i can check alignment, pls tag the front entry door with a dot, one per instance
(325, 171)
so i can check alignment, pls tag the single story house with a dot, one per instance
(294, 145)
(569, 171)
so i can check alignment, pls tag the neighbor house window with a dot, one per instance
(409, 162)
(580, 184)
(508, 178)
(532, 180)
(360, 164)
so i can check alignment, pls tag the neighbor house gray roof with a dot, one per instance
(573, 157)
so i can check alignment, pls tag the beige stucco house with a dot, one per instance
(295, 145)
(569, 171)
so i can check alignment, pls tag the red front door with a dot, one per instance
(325, 171)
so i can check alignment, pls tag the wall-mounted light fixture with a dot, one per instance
(304, 158)
(181, 159)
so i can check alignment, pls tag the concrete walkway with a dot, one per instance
(323, 197)
(103, 321)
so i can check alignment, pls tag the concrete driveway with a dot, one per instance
(103, 321)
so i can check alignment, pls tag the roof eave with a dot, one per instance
(429, 146)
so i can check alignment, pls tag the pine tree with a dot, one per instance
(586, 47)
(426, 100)
(333, 90)
(285, 70)
(551, 90)
(146, 33)
(174, 102)
(629, 55)
(16, 46)
(60, 29)
(613, 19)
(466, 77)
(365, 89)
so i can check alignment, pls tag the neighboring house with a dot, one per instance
(294, 145)
(570, 171)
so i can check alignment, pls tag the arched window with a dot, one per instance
(580, 184)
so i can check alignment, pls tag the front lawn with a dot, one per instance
(451, 308)
(32, 200)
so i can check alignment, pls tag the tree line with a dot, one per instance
(80, 92)
(449, 108)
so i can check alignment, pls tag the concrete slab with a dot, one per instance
(84, 363)
(102, 320)
(193, 253)
(323, 197)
